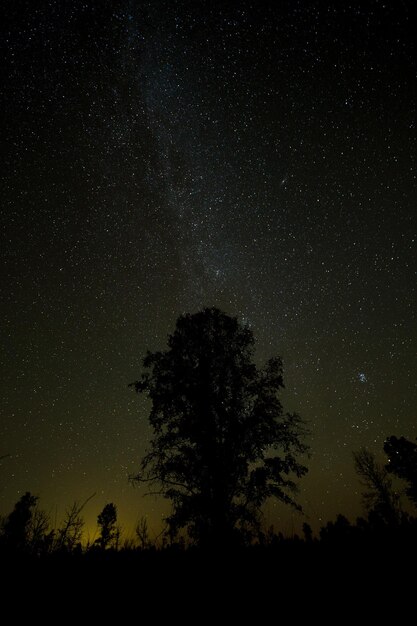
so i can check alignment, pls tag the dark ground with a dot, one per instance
(297, 582)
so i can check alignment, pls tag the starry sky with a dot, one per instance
(164, 156)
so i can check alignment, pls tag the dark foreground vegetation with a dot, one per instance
(345, 570)
(344, 574)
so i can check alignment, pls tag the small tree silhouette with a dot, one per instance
(142, 532)
(307, 532)
(340, 531)
(40, 534)
(222, 444)
(17, 526)
(109, 531)
(380, 500)
(70, 534)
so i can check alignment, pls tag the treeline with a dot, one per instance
(27, 530)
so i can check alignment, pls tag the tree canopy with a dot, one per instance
(222, 444)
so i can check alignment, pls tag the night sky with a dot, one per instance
(160, 157)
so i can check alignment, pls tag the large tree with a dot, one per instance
(221, 442)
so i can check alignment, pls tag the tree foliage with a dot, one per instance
(380, 500)
(339, 531)
(17, 527)
(109, 530)
(221, 444)
(27, 528)
(402, 461)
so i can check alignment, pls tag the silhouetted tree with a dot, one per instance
(71, 531)
(222, 444)
(40, 535)
(109, 530)
(17, 526)
(380, 500)
(341, 531)
(402, 461)
(70, 534)
(143, 533)
(307, 532)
